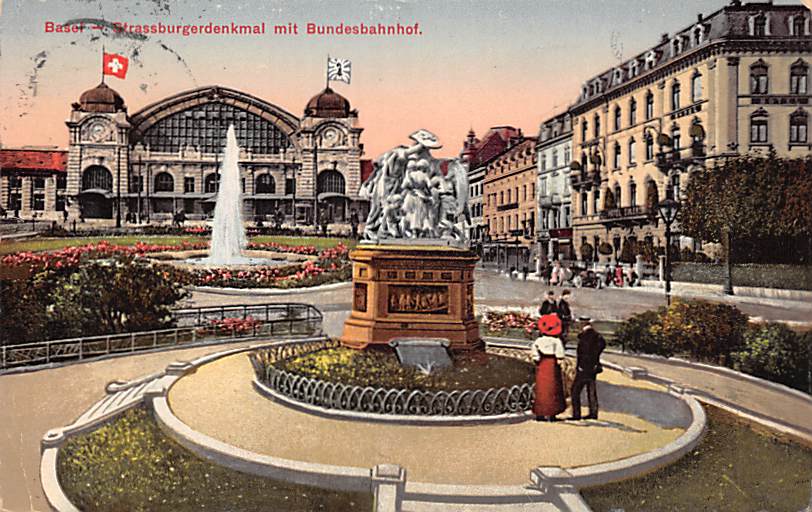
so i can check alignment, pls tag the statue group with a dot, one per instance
(411, 198)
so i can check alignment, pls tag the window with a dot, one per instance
(164, 182)
(617, 118)
(649, 105)
(211, 183)
(649, 147)
(798, 77)
(188, 185)
(61, 182)
(618, 196)
(567, 155)
(543, 162)
(632, 112)
(15, 182)
(797, 25)
(616, 156)
(631, 152)
(596, 200)
(265, 184)
(675, 138)
(136, 184)
(555, 158)
(501, 197)
(97, 177)
(38, 202)
(696, 87)
(584, 128)
(597, 127)
(675, 96)
(798, 125)
(39, 183)
(15, 201)
(675, 186)
(759, 26)
(543, 187)
(290, 186)
(524, 192)
(758, 129)
(583, 203)
(567, 220)
(632, 194)
(60, 203)
(759, 78)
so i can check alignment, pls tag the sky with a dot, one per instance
(476, 64)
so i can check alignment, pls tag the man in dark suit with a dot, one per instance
(565, 313)
(549, 306)
(590, 346)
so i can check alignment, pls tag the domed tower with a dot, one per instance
(97, 154)
(331, 149)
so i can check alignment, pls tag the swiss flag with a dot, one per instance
(115, 65)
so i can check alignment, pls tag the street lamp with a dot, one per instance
(668, 210)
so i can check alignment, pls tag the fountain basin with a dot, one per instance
(199, 259)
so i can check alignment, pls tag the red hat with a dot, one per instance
(550, 325)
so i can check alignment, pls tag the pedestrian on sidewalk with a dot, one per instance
(565, 313)
(548, 351)
(588, 366)
(549, 305)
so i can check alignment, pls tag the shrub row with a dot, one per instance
(721, 334)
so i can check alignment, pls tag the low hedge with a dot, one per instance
(787, 277)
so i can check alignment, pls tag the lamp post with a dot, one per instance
(668, 210)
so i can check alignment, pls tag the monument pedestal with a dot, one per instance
(412, 291)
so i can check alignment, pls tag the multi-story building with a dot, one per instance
(33, 182)
(477, 154)
(165, 157)
(509, 211)
(732, 82)
(554, 224)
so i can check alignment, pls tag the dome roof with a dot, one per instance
(101, 99)
(328, 103)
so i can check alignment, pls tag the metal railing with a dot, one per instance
(389, 401)
(193, 326)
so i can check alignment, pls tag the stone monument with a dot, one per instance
(413, 272)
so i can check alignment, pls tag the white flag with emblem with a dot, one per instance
(339, 69)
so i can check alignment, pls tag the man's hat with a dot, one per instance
(426, 138)
(550, 325)
(584, 319)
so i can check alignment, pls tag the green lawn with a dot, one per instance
(129, 464)
(734, 468)
(50, 244)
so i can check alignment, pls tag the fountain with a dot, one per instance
(228, 238)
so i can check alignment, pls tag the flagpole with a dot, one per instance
(327, 73)
(102, 64)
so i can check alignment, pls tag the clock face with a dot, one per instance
(97, 131)
(330, 137)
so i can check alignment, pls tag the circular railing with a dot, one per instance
(388, 401)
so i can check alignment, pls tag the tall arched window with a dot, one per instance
(618, 196)
(596, 200)
(97, 177)
(798, 77)
(265, 184)
(675, 90)
(798, 127)
(675, 137)
(649, 147)
(616, 156)
(332, 181)
(617, 117)
(597, 126)
(759, 127)
(211, 183)
(760, 25)
(696, 87)
(759, 78)
(164, 182)
(632, 112)
(632, 158)
(632, 193)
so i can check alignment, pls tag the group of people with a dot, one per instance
(616, 276)
(548, 353)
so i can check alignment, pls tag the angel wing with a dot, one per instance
(458, 175)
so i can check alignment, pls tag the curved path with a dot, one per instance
(219, 401)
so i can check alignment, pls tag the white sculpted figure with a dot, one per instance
(410, 198)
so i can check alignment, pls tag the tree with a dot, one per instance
(749, 198)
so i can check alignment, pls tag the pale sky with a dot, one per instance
(477, 63)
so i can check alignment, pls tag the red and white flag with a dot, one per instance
(115, 65)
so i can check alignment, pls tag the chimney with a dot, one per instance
(699, 18)
(664, 38)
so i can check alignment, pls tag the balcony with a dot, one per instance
(508, 206)
(585, 179)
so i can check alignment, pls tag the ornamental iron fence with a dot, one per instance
(388, 401)
(196, 325)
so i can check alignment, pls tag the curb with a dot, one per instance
(214, 290)
(676, 361)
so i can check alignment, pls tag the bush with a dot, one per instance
(705, 330)
(606, 248)
(775, 352)
(635, 334)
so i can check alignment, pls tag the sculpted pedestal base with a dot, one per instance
(412, 291)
